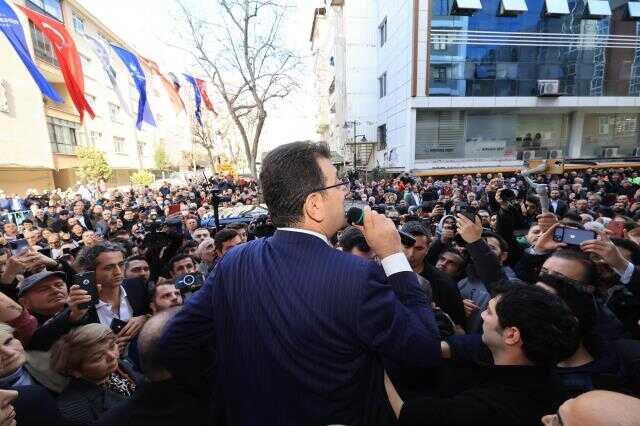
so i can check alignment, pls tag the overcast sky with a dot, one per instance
(148, 24)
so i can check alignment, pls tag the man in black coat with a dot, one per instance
(525, 332)
(161, 401)
(445, 292)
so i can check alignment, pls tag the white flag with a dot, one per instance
(102, 53)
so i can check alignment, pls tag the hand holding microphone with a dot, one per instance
(379, 231)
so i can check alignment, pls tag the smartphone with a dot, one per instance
(189, 282)
(87, 281)
(468, 212)
(117, 325)
(572, 236)
(45, 251)
(18, 247)
(173, 209)
(616, 228)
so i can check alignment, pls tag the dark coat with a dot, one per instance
(299, 343)
(496, 395)
(158, 404)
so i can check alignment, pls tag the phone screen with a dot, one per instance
(573, 236)
(174, 208)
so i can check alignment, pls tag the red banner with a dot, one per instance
(67, 55)
(205, 97)
(171, 89)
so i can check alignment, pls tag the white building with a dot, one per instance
(462, 84)
(39, 138)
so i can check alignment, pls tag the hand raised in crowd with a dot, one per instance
(546, 221)
(607, 251)
(381, 234)
(129, 331)
(469, 230)
(546, 243)
(77, 297)
(469, 307)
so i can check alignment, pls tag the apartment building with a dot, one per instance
(38, 138)
(491, 83)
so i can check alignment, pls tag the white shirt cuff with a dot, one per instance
(626, 276)
(395, 263)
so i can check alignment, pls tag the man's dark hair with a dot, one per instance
(504, 246)
(149, 343)
(237, 226)
(416, 229)
(352, 237)
(130, 259)
(290, 173)
(590, 270)
(190, 244)
(548, 328)
(177, 258)
(628, 245)
(87, 258)
(223, 236)
(533, 199)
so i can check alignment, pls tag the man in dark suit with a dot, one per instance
(556, 205)
(297, 327)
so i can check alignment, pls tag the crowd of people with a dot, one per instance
(532, 328)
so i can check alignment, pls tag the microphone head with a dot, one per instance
(355, 216)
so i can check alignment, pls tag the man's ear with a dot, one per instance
(314, 207)
(511, 336)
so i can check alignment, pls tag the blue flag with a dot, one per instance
(132, 64)
(10, 26)
(196, 90)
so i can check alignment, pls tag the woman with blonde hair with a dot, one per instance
(89, 356)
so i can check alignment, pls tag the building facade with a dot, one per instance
(491, 83)
(39, 138)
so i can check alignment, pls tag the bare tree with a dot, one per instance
(243, 55)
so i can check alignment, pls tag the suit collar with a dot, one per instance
(306, 231)
(296, 235)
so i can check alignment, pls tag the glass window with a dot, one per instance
(114, 112)
(382, 29)
(488, 134)
(382, 83)
(118, 144)
(62, 135)
(41, 46)
(439, 42)
(382, 136)
(95, 138)
(49, 7)
(609, 135)
(78, 24)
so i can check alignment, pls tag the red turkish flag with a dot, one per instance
(67, 55)
(205, 97)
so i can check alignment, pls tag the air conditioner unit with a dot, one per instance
(528, 155)
(610, 152)
(548, 88)
(554, 154)
(636, 152)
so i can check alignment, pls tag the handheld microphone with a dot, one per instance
(355, 216)
(543, 195)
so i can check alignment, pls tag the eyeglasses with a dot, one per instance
(342, 182)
